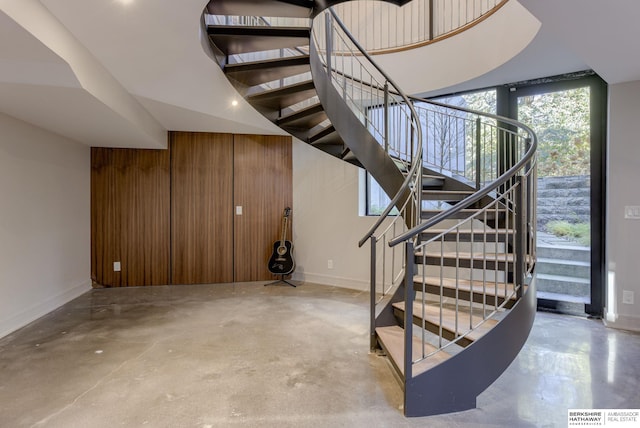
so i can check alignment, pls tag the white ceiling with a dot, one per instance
(106, 73)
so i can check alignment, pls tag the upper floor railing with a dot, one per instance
(382, 27)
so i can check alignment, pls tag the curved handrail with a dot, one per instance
(471, 199)
(416, 24)
(364, 52)
(481, 193)
(417, 161)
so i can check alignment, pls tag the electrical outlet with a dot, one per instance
(627, 297)
(238, 209)
(329, 264)
(116, 266)
(632, 212)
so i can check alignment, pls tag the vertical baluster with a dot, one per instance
(478, 153)
(431, 20)
(471, 278)
(496, 236)
(508, 225)
(423, 305)
(372, 292)
(441, 303)
(484, 267)
(384, 263)
(393, 255)
(457, 281)
(409, 295)
(520, 227)
(386, 116)
(329, 40)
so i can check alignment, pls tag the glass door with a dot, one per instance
(562, 115)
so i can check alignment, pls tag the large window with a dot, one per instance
(447, 145)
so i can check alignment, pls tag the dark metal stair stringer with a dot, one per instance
(454, 384)
(355, 135)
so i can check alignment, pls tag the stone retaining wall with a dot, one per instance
(563, 198)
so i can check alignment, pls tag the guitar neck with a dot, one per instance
(283, 236)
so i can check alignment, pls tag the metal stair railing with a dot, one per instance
(500, 263)
(389, 28)
(485, 145)
(479, 148)
(367, 90)
(472, 146)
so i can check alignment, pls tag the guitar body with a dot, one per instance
(281, 261)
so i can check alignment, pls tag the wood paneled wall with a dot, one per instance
(130, 216)
(169, 215)
(201, 207)
(263, 187)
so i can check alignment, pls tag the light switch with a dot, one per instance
(238, 209)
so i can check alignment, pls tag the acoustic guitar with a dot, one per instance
(281, 261)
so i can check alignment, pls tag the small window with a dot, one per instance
(377, 199)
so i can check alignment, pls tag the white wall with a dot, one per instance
(44, 222)
(623, 235)
(326, 220)
(478, 50)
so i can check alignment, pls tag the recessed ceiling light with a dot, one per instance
(234, 103)
(126, 2)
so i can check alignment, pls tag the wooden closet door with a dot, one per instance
(130, 216)
(201, 207)
(263, 188)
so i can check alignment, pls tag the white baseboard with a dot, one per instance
(623, 322)
(39, 309)
(355, 284)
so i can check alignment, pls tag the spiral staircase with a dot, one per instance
(453, 254)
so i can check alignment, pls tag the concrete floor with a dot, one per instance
(244, 355)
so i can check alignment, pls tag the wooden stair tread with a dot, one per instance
(501, 257)
(282, 8)
(477, 286)
(465, 210)
(477, 235)
(432, 316)
(476, 231)
(327, 136)
(307, 117)
(257, 72)
(490, 215)
(236, 39)
(284, 96)
(259, 30)
(444, 195)
(453, 192)
(392, 339)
